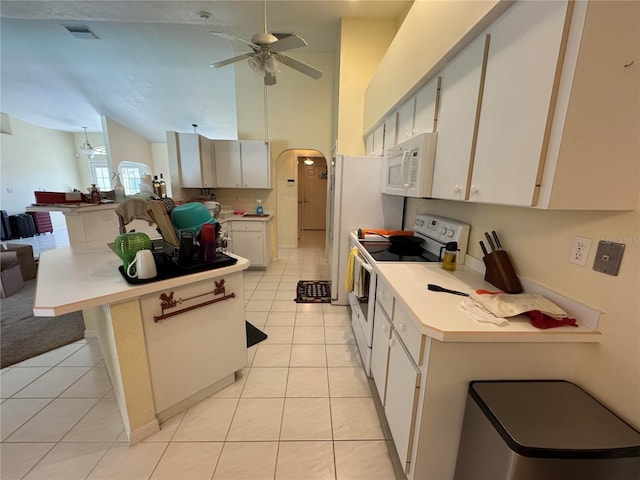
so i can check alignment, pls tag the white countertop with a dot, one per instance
(250, 218)
(442, 319)
(71, 279)
(71, 207)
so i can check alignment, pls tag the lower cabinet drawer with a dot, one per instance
(408, 331)
(239, 226)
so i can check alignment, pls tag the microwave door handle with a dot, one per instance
(403, 171)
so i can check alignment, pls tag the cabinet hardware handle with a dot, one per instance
(402, 327)
(392, 342)
(385, 328)
(167, 301)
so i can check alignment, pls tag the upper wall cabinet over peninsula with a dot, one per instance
(548, 117)
(205, 163)
(242, 163)
(195, 160)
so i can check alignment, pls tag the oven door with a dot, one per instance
(362, 300)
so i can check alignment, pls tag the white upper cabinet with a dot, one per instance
(524, 54)
(195, 161)
(242, 163)
(391, 130)
(406, 114)
(460, 82)
(256, 169)
(228, 165)
(378, 140)
(425, 107)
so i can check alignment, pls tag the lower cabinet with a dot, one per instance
(250, 240)
(380, 350)
(401, 402)
(395, 372)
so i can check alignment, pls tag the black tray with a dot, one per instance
(168, 268)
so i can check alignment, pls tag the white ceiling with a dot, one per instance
(149, 70)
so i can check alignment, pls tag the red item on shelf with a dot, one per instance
(540, 320)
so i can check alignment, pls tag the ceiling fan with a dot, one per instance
(266, 57)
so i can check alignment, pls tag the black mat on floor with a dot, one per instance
(313, 291)
(254, 335)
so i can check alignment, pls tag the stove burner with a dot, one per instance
(405, 249)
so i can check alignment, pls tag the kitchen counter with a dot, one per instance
(163, 356)
(441, 318)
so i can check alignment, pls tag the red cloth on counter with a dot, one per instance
(540, 320)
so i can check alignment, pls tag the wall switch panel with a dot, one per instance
(608, 257)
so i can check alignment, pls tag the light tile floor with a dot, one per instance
(302, 409)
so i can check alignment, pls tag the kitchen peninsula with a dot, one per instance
(167, 344)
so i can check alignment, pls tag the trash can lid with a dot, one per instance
(554, 419)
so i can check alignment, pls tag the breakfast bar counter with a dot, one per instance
(167, 344)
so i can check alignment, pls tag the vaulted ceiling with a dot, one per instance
(149, 67)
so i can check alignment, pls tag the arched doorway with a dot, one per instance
(297, 181)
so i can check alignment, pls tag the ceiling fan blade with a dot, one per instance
(269, 78)
(236, 39)
(301, 67)
(222, 63)
(287, 41)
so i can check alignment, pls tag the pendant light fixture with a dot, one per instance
(86, 147)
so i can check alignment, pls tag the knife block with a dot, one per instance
(500, 273)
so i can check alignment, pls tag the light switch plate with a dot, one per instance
(608, 257)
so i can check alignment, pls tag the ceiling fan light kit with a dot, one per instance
(267, 53)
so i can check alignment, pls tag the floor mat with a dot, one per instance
(313, 291)
(254, 335)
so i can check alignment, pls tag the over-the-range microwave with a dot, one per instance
(408, 167)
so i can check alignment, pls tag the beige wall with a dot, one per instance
(35, 158)
(363, 43)
(432, 32)
(538, 241)
(123, 145)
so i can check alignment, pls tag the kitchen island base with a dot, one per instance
(166, 345)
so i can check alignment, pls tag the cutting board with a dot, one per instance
(159, 214)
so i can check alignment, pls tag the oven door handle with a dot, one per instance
(364, 264)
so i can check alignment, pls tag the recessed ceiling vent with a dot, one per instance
(81, 31)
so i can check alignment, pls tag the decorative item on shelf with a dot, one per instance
(95, 194)
(86, 147)
(156, 186)
(118, 188)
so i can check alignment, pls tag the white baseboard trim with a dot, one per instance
(144, 432)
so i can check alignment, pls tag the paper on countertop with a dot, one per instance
(510, 305)
(479, 314)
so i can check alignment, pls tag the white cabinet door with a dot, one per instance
(521, 71)
(391, 131)
(380, 350)
(378, 140)
(425, 109)
(403, 383)
(405, 120)
(460, 82)
(207, 162)
(369, 144)
(196, 161)
(228, 165)
(256, 171)
(249, 240)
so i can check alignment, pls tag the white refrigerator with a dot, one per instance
(354, 200)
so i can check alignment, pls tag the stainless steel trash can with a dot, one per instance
(543, 430)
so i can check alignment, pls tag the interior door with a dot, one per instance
(315, 195)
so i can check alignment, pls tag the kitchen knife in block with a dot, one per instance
(499, 272)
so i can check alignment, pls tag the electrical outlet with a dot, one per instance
(579, 251)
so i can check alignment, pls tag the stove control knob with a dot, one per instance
(450, 233)
(419, 222)
(443, 230)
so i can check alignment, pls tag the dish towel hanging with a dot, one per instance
(353, 253)
(360, 284)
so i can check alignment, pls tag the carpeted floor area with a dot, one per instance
(23, 336)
